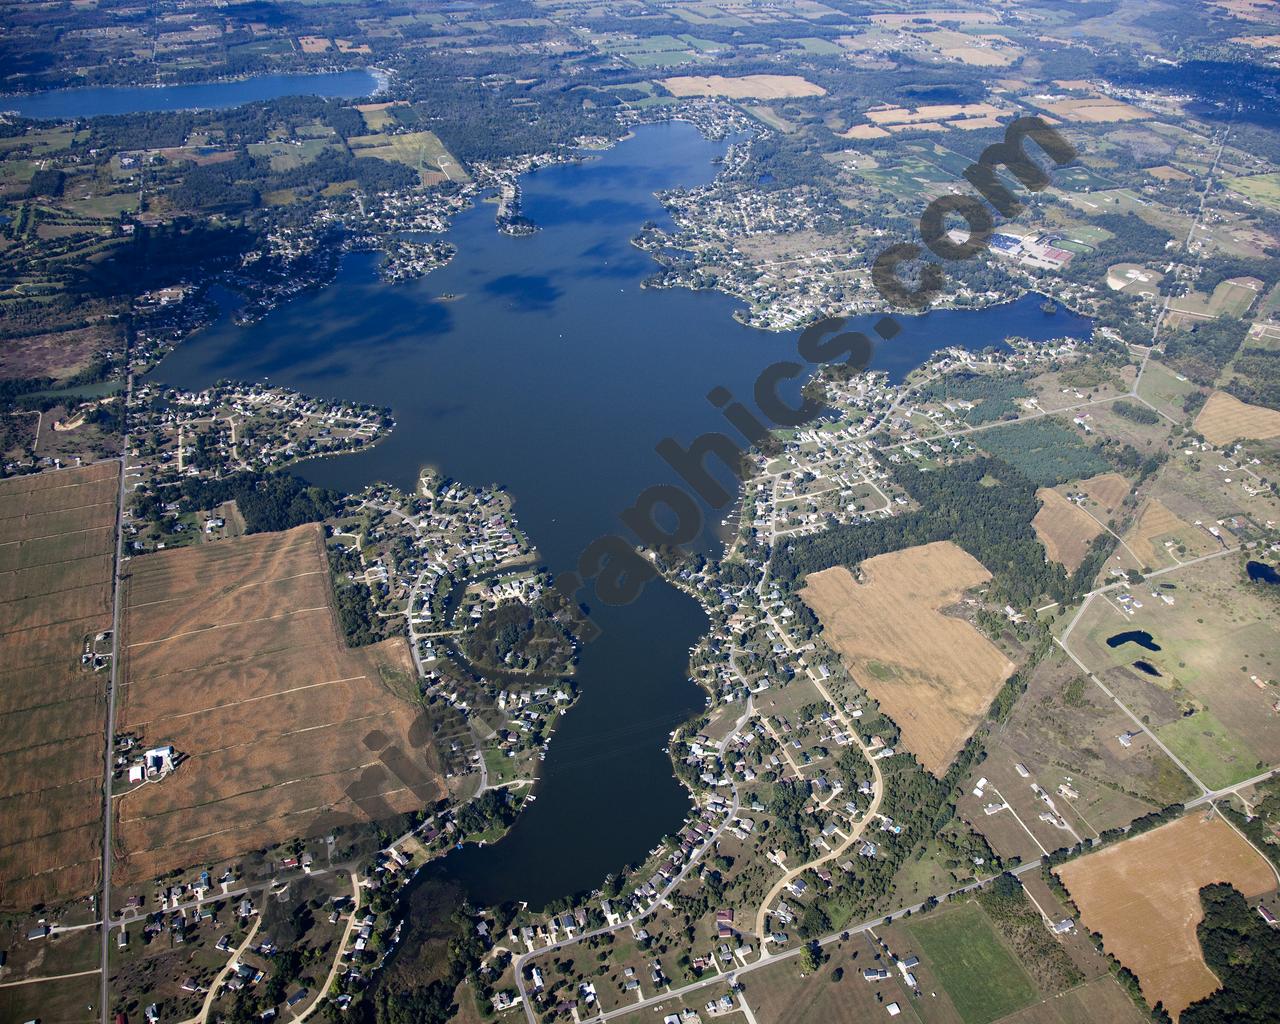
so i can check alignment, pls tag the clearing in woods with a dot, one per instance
(1064, 528)
(934, 675)
(57, 541)
(233, 655)
(1143, 896)
(757, 87)
(1225, 418)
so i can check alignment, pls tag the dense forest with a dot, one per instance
(1201, 351)
(353, 599)
(995, 395)
(1257, 377)
(269, 502)
(1244, 952)
(984, 505)
(1044, 451)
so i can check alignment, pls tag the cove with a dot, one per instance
(95, 101)
(551, 371)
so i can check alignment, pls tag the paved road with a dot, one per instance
(773, 958)
(323, 990)
(113, 685)
(216, 984)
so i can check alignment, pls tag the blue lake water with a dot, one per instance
(94, 101)
(551, 371)
(1261, 572)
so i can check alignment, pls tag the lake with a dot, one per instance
(551, 371)
(94, 101)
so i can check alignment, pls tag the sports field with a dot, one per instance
(57, 536)
(233, 655)
(1143, 896)
(934, 675)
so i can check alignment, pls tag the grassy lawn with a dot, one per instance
(982, 978)
(1208, 749)
(1161, 387)
(501, 768)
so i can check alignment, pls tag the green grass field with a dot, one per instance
(1261, 188)
(419, 150)
(982, 978)
(1205, 746)
(824, 47)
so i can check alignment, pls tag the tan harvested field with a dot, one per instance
(1096, 110)
(1166, 173)
(756, 87)
(1064, 528)
(1107, 489)
(1143, 896)
(934, 675)
(1225, 418)
(931, 112)
(1259, 42)
(233, 655)
(1158, 524)
(865, 131)
(57, 536)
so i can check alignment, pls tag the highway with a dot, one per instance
(113, 684)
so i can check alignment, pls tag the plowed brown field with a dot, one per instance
(1064, 528)
(934, 675)
(57, 534)
(1143, 896)
(233, 655)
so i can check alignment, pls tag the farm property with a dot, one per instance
(1064, 528)
(1143, 896)
(934, 675)
(1213, 648)
(1225, 418)
(233, 655)
(1157, 532)
(57, 535)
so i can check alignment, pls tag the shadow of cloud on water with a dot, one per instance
(530, 293)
